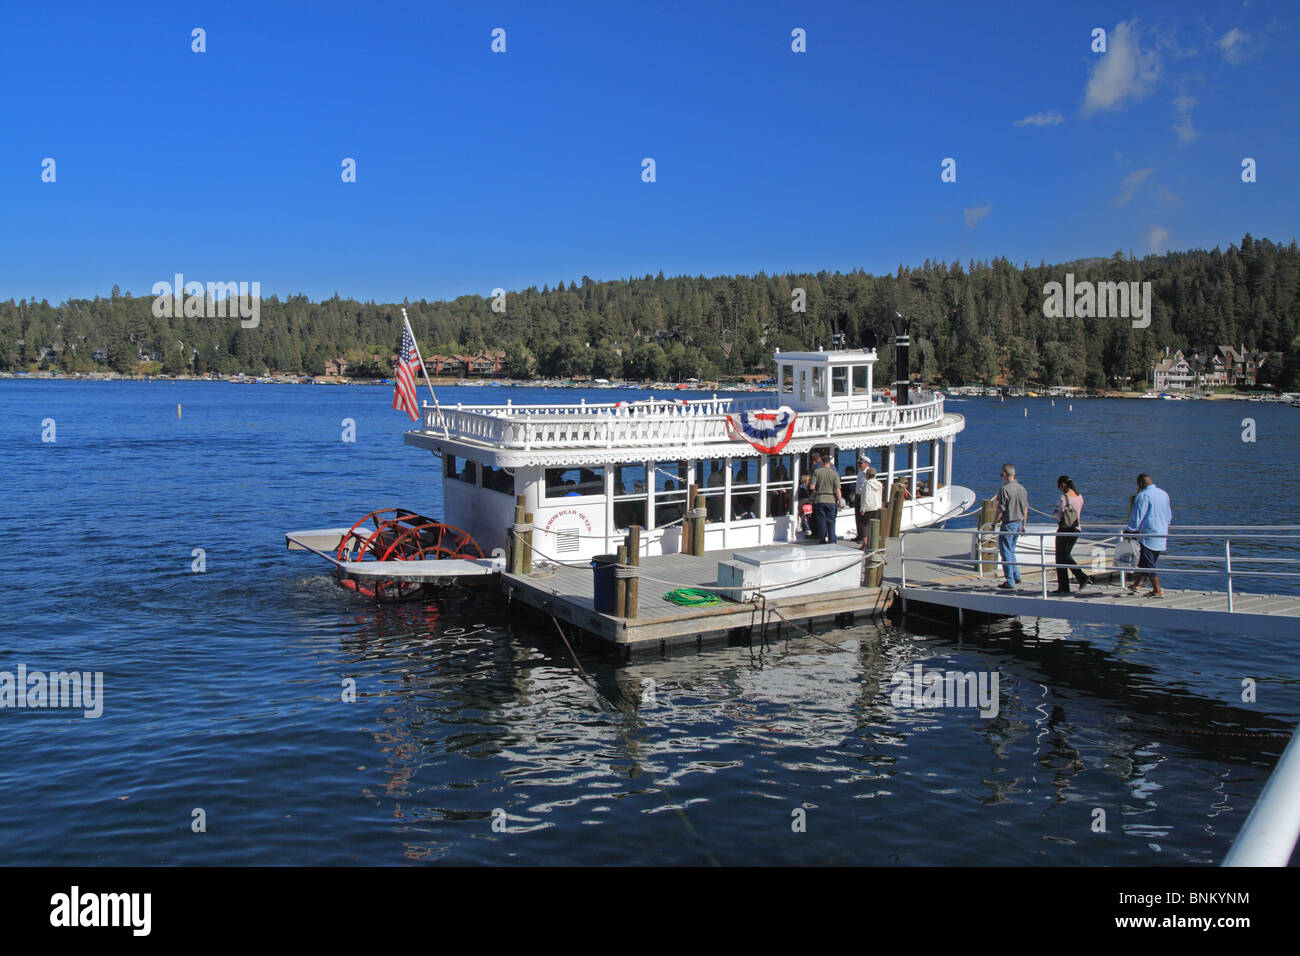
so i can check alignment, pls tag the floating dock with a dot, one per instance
(940, 581)
(935, 585)
(567, 593)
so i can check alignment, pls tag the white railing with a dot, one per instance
(653, 422)
(1171, 562)
(1269, 835)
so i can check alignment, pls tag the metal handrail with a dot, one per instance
(1228, 559)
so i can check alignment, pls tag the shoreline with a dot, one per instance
(551, 383)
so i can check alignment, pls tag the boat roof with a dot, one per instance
(838, 357)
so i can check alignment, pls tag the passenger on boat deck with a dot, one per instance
(811, 521)
(713, 503)
(867, 503)
(827, 498)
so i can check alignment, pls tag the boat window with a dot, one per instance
(940, 468)
(461, 469)
(499, 480)
(629, 479)
(787, 380)
(574, 482)
(924, 469)
(819, 382)
(840, 380)
(899, 471)
(744, 488)
(629, 495)
(711, 476)
(780, 484)
(860, 378)
(845, 464)
(671, 486)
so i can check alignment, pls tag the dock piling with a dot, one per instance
(697, 529)
(896, 509)
(688, 523)
(876, 561)
(620, 585)
(516, 538)
(633, 593)
(528, 543)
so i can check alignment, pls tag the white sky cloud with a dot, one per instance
(1157, 237)
(1183, 112)
(974, 215)
(1122, 75)
(1048, 118)
(1131, 183)
(1235, 46)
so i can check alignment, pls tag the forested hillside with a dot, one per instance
(975, 323)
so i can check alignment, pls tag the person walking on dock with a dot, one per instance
(1069, 511)
(1149, 522)
(1013, 508)
(827, 498)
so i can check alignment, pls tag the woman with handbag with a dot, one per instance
(1068, 512)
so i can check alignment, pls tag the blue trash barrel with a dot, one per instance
(602, 567)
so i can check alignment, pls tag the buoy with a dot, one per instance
(1071, 408)
(1026, 413)
(1053, 403)
(178, 409)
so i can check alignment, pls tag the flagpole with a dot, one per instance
(432, 393)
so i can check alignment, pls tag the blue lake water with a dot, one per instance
(222, 689)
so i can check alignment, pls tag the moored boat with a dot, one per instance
(587, 472)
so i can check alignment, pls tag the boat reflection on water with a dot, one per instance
(495, 748)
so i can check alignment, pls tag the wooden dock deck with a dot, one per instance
(962, 590)
(567, 593)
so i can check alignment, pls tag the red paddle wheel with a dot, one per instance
(403, 536)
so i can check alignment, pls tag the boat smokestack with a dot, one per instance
(902, 350)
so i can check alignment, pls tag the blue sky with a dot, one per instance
(478, 169)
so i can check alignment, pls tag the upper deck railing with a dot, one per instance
(651, 422)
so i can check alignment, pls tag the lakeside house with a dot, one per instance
(480, 364)
(1229, 367)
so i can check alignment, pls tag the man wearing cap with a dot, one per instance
(869, 494)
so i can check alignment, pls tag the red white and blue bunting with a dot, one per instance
(768, 431)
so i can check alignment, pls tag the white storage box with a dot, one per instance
(790, 571)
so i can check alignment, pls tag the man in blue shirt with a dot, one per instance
(1149, 521)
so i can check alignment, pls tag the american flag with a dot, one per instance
(407, 363)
